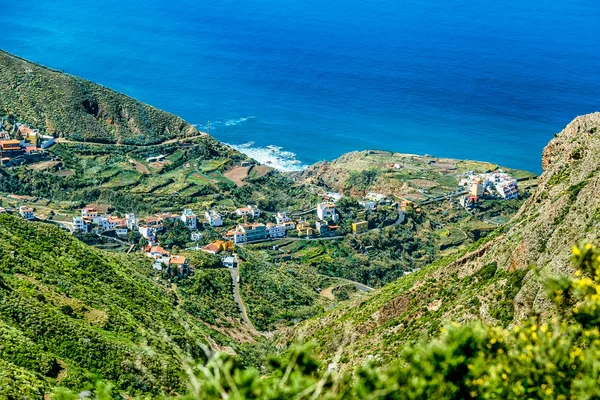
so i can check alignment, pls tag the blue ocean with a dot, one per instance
(303, 81)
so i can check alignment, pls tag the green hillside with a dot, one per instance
(556, 359)
(67, 310)
(71, 107)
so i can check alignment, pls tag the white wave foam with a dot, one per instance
(228, 123)
(234, 122)
(272, 156)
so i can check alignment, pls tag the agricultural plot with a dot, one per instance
(237, 175)
(122, 179)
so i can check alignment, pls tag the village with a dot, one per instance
(96, 219)
(496, 184)
(24, 145)
(230, 227)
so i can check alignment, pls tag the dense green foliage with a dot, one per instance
(64, 105)
(67, 309)
(208, 296)
(361, 180)
(535, 360)
(175, 234)
(375, 258)
(278, 294)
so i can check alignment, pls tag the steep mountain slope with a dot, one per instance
(67, 309)
(494, 280)
(64, 105)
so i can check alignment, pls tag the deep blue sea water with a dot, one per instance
(479, 79)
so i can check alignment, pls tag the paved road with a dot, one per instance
(298, 213)
(238, 299)
(448, 196)
(114, 238)
(360, 286)
(170, 141)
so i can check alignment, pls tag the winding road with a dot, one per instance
(238, 299)
(360, 286)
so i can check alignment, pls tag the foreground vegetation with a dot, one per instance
(68, 310)
(557, 359)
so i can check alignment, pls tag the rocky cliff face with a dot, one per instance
(495, 281)
(564, 210)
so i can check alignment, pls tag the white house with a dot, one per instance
(376, 197)
(326, 211)
(250, 211)
(230, 262)
(289, 225)
(147, 232)
(333, 196)
(157, 252)
(26, 212)
(507, 189)
(80, 225)
(102, 222)
(281, 218)
(166, 217)
(115, 222)
(90, 211)
(189, 218)
(367, 204)
(195, 236)
(275, 231)
(239, 236)
(132, 222)
(213, 218)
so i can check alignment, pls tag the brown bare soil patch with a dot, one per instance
(237, 175)
(328, 293)
(67, 172)
(424, 183)
(43, 165)
(139, 167)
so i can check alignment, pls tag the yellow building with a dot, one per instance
(360, 227)
(305, 228)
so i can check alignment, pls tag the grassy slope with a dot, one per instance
(68, 106)
(368, 171)
(67, 309)
(493, 280)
